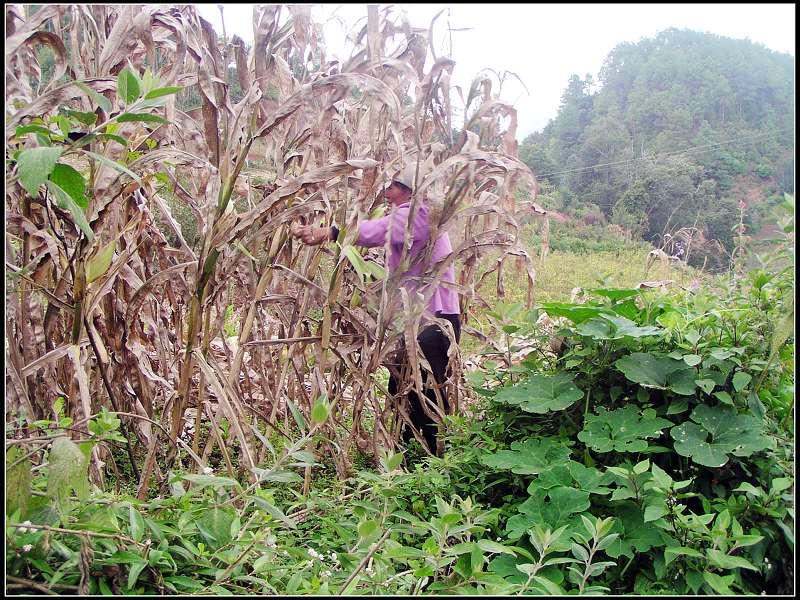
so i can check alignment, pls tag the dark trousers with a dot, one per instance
(434, 344)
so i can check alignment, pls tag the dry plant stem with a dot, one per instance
(375, 547)
(217, 437)
(18, 582)
(82, 532)
(112, 398)
(147, 468)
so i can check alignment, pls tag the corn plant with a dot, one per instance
(112, 306)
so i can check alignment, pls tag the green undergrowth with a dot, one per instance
(652, 454)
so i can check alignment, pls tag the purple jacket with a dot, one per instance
(373, 232)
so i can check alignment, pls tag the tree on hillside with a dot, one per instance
(676, 114)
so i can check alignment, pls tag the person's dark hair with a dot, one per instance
(402, 185)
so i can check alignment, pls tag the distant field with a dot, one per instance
(561, 272)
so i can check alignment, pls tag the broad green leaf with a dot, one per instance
(87, 118)
(394, 460)
(780, 484)
(740, 380)
(529, 457)
(110, 136)
(367, 528)
(661, 478)
(692, 359)
(729, 433)
(25, 129)
(100, 99)
(615, 294)
(128, 88)
(552, 588)
(725, 561)
(202, 481)
(694, 580)
(690, 440)
(304, 457)
(97, 266)
(707, 385)
(579, 552)
(319, 413)
(657, 372)
(554, 508)
(18, 482)
(274, 512)
(750, 489)
(494, 547)
(362, 267)
(181, 582)
(721, 353)
(622, 430)
(277, 476)
(72, 182)
(141, 118)
(163, 91)
(635, 534)
(577, 313)
(614, 327)
(654, 512)
(67, 471)
(215, 525)
(692, 336)
(724, 397)
(63, 124)
(134, 571)
(678, 406)
(574, 474)
(136, 523)
(297, 415)
(723, 520)
(673, 552)
(34, 165)
(542, 393)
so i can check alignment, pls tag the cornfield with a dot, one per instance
(110, 307)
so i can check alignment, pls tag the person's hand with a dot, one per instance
(310, 234)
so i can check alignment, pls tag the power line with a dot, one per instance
(630, 160)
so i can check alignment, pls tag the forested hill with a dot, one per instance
(677, 131)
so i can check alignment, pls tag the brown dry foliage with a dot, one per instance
(149, 338)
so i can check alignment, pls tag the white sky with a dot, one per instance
(541, 43)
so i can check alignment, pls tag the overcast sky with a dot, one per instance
(543, 44)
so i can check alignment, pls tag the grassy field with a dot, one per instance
(561, 272)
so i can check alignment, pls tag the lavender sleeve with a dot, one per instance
(372, 232)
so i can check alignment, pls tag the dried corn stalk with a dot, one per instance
(307, 140)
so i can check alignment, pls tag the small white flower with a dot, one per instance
(208, 471)
(24, 528)
(147, 542)
(27, 547)
(325, 574)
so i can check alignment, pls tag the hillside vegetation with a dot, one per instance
(678, 131)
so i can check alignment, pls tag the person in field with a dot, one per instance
(443, 303)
